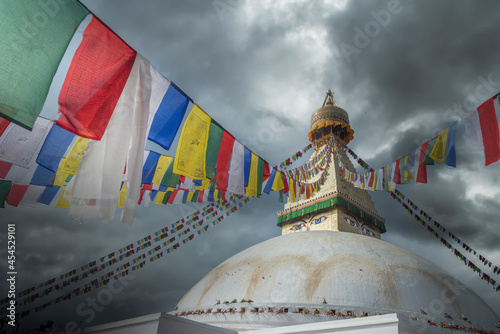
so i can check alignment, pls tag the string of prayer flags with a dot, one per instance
(482, 258)
(289, 161)
(119, 272)
(399, 198)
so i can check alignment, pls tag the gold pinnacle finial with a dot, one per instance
(329, 99)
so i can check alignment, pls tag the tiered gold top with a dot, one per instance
(328, 119)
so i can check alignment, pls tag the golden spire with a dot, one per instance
(329, 99)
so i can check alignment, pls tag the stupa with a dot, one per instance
(329, 268)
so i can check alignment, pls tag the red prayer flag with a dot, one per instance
(16, 194)
(224, 160)
(422, 169)
(489, 131)
(4, 169)
(3, 125)
(94, 82)
(267, 174)
(286, 188)
(397, 173)
(370, 180)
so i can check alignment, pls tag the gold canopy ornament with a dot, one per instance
(328, 119)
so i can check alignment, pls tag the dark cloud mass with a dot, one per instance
(260, 68)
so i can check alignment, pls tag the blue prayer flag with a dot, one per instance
(54, 147)
(270, 181)
(450, 155)
(168, 117)
(246, 164)
(48, 194)
(149, 168)
(43, 177)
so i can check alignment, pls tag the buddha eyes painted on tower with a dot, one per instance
(297, 227)
(317, 220)
(353, 222)
(363, 227)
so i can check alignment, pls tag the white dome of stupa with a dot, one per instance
(329, 274)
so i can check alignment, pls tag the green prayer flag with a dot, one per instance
(195, 196)
(213, 145)
(169, 175)
(4, 191)
(35, 36)
(427, 159)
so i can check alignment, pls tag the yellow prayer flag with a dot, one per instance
(161, 168)
(159, 197)
(408, 176)
(121, 197)
(251, 189)
(216, 195)
(75, 156)
(204, 185)
(190, 196)
(374, 181)
(191, 150)
(438, 151)
(62, 203)
(60, 177)
(278, 182)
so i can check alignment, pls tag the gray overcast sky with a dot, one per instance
(401, 69)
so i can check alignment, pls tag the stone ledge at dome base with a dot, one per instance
(250, 317)
(162, 323)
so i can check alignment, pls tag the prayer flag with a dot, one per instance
(149, 168)
(18, 145)
(251, 189)
(190, 157)
(3, 125)
(269, 182)
(439, 150)
(397, 172)
(100, 174)
(43, 177)
(54, 147)
(278, 182)
(16, 194)
(35, 35)
(420, 167)
(168, 117)
(473, 131)
(4, 169)
(450, 153)
(96, 77)
(224, 160)
(4, 191)
(75, 155)
(261, 171)
(247, 165)
(236, 178)
(427, 160)
(489, 131)
(213, 146)
(48, 195)
(406, 175)
(374, 180)
(163, 167)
